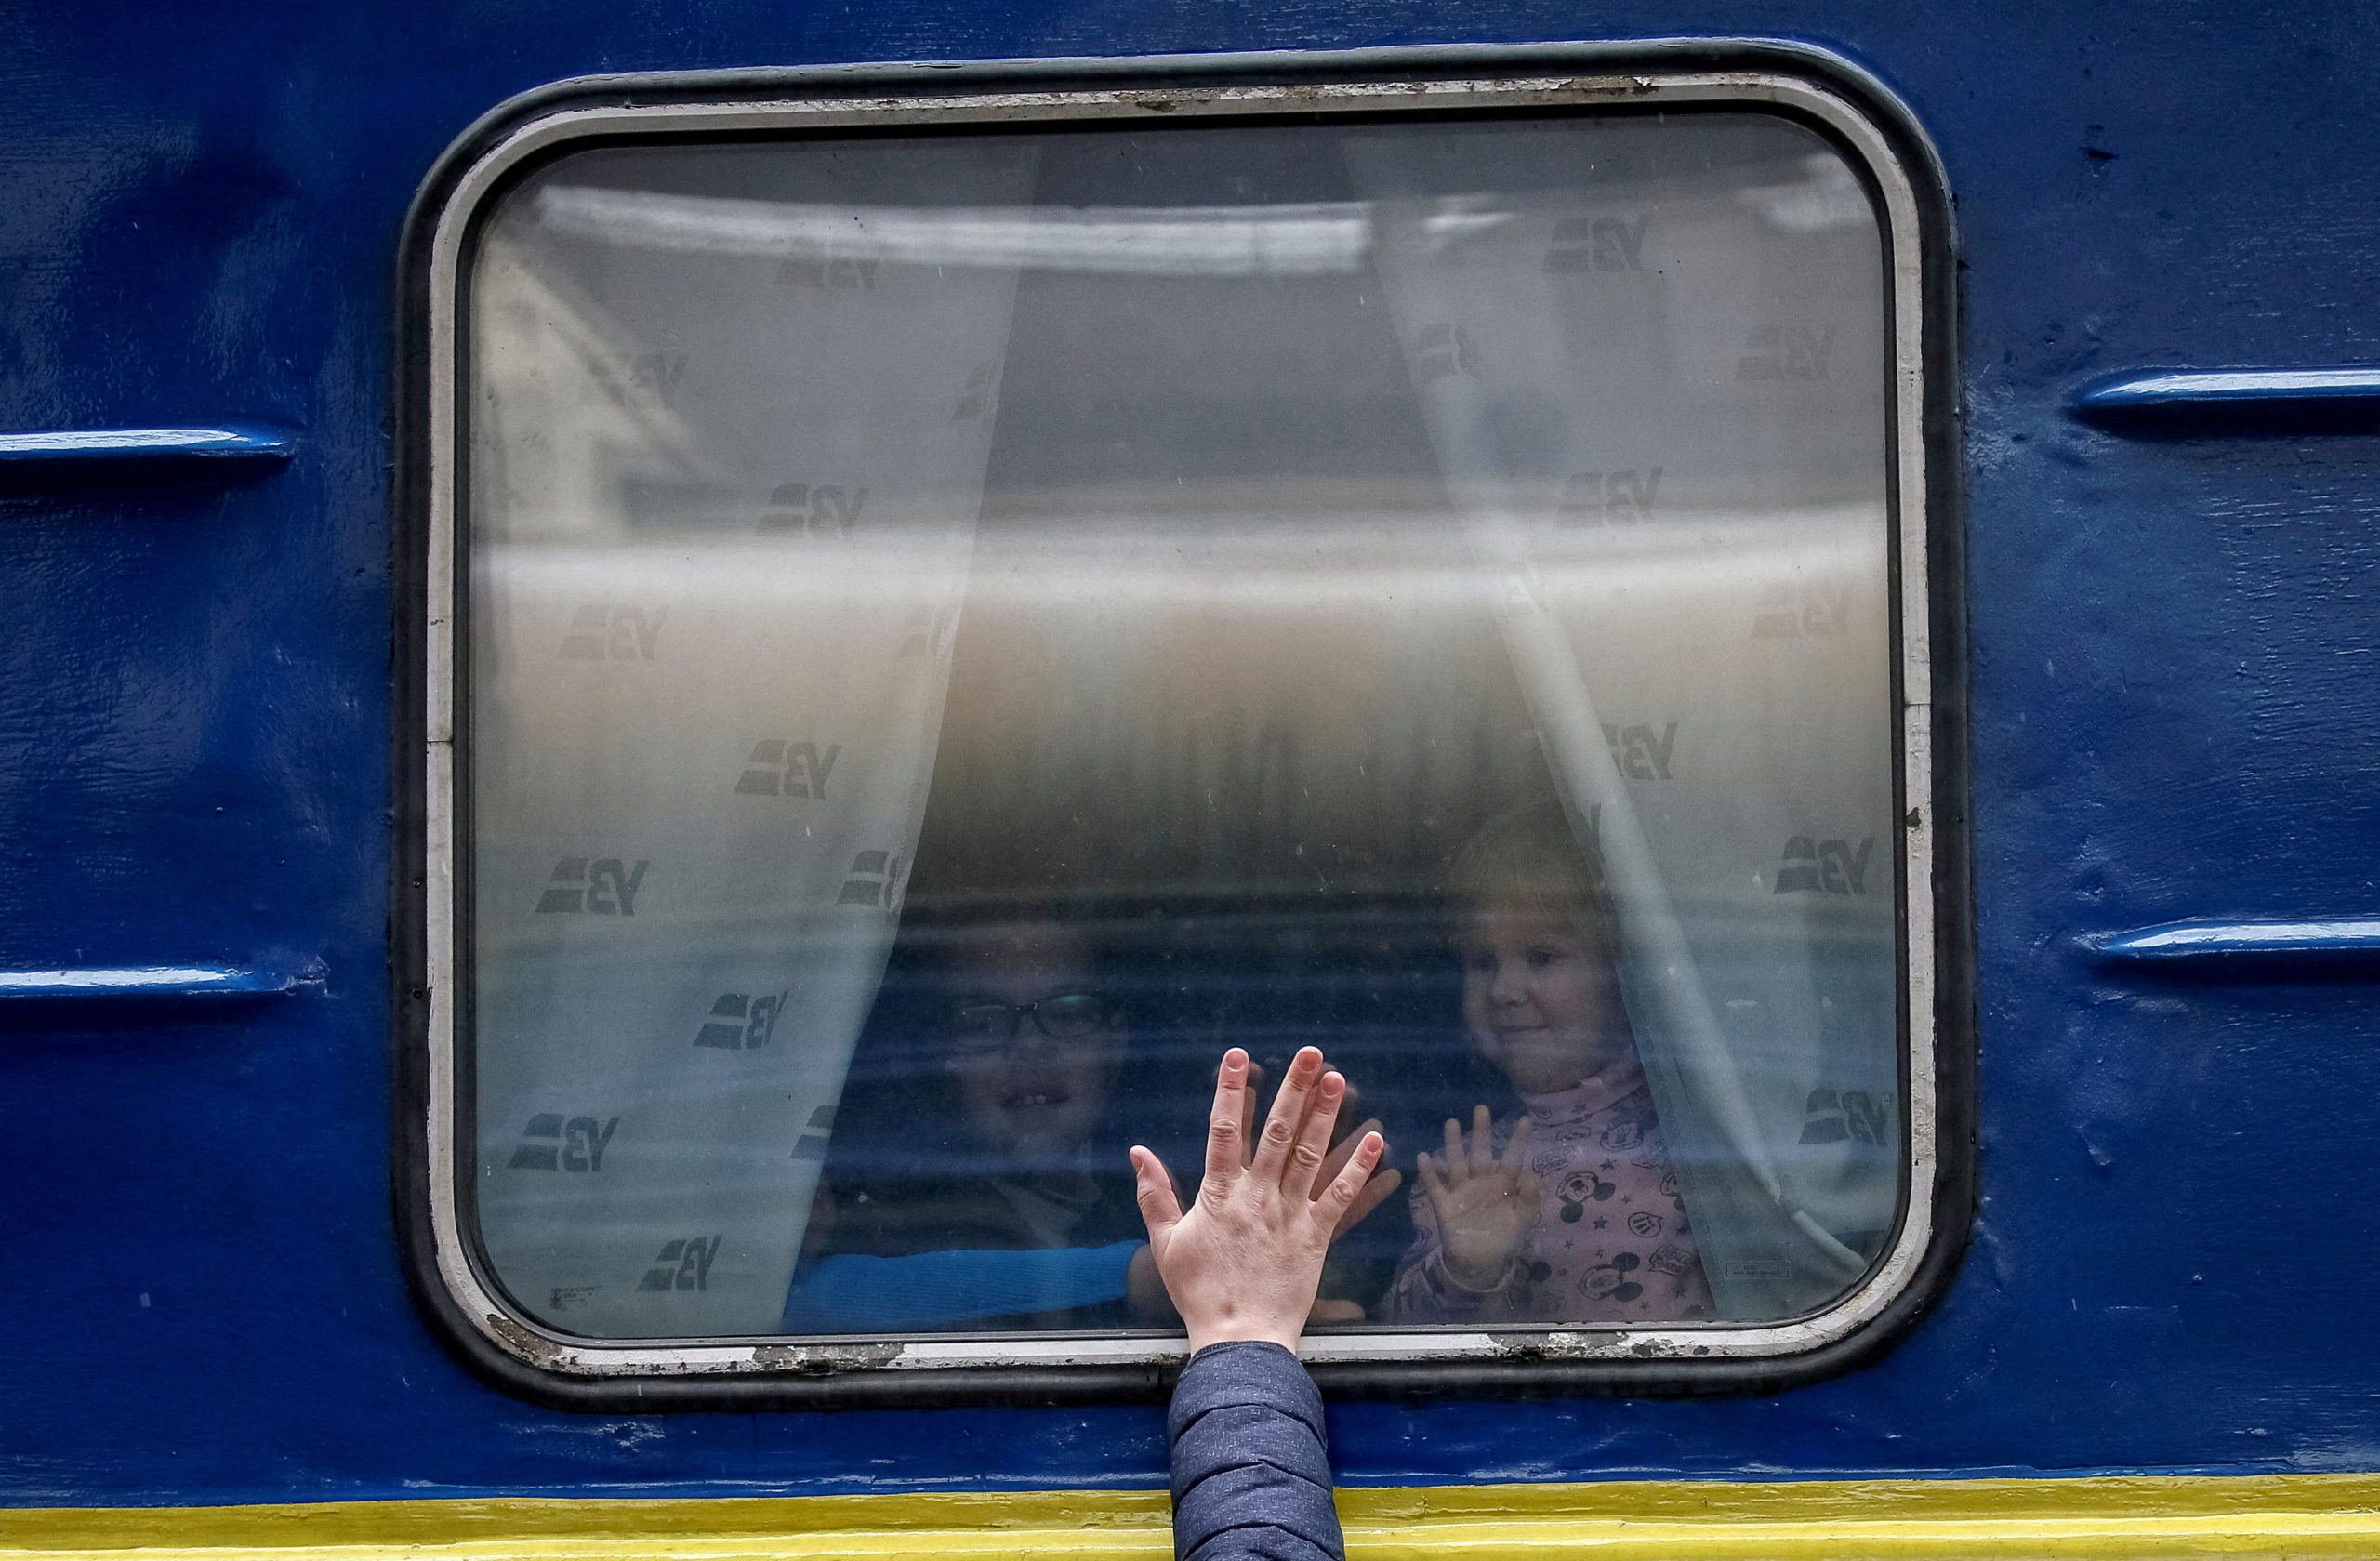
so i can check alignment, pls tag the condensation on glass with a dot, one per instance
(964, 627)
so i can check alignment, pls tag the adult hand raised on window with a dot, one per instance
(1245, 1261)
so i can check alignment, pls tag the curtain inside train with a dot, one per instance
(1654, 380)
(730, 416)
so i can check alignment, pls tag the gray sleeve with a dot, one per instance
(1251, 1474)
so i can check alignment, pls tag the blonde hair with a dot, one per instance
(1528, 858)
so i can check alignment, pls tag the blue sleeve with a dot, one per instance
(1251, 1475)
(846, 1292)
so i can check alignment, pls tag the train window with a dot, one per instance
(959, 618)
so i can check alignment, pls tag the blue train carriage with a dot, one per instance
(715, 683)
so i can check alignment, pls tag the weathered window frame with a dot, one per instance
(430, 924)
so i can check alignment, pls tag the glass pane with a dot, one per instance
(964, 628)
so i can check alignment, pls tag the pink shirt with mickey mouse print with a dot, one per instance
(1611, 1244)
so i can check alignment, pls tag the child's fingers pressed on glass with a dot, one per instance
(1457, 1164)
(1348, 1106)
(1483, 1142)
(1514, 1162)
(1433, 1187)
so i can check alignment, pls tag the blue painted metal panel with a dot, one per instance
(2233, 386)
(2344, 937)
(148, 983)
(2173, 690)
(84, 447)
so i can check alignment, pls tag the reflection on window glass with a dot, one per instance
(964, 628)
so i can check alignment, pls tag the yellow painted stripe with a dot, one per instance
(2291, 1517)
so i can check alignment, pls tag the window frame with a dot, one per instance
(429, 927)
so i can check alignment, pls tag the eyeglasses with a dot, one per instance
(980, 1025)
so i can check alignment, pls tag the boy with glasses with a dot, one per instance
(1024, 1224)
(1030, 1223)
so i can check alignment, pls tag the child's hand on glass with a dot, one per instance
(1484, 1205)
